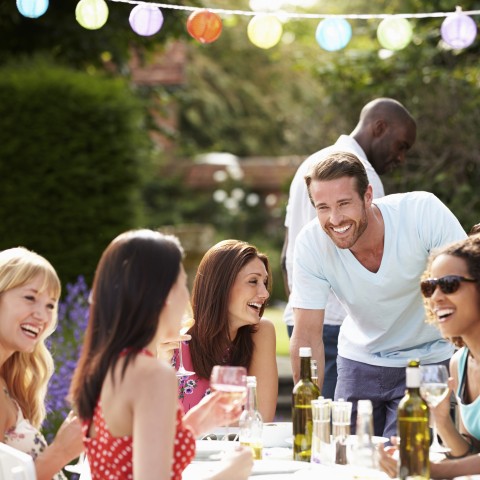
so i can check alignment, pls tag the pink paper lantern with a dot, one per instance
(458, 30)
(146, 20)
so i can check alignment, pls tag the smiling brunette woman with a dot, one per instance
(451, 288)
(230, 293)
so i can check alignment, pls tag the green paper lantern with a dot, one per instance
(394, 33)
(91, 14)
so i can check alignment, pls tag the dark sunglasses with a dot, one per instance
(448, 284)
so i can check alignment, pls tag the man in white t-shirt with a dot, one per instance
(384, 133)
(372, 255)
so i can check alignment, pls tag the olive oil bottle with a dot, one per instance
(303, 393)
(412, 422)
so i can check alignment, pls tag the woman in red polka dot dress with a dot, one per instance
(133, 425)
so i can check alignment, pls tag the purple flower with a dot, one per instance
(65, 344)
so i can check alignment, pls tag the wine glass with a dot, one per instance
(434, 389)
(185, 326)
(78, 467)
(231, 381)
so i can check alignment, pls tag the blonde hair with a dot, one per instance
(27, 374)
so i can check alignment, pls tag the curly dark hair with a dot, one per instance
(469, 250)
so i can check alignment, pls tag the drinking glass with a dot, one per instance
(233, 382)
(185, 326)
(78, 467)
(434, 389)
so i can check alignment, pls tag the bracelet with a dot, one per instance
(469, 451)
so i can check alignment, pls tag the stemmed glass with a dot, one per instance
(233, 382)
(185, 326)
(78, 467)
(434, 389)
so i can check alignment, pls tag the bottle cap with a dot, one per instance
(251, 380)
(305, 352)
(364, 406)
(413, 377)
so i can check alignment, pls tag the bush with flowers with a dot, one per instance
(65, 344)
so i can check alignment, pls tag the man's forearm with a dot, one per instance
(318, 353)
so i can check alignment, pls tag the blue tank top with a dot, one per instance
(470, 412)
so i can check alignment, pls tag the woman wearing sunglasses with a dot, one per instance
(451, 288)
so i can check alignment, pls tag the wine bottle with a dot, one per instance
(251, 422)
(363, 451)
(412, 422)
(314, 368)
(303, 393)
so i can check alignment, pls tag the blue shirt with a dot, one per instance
(470, 412)
(385, 323)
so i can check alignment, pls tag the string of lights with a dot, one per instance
(265, 28)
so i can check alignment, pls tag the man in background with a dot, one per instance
(381, 139)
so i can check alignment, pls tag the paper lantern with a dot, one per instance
(91, 14)
(458, 30)
(146, 20)
(32, 8)
(394, 33)
(333, 34)
(264, 31)
(204, 26)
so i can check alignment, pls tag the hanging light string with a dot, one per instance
(293, 15)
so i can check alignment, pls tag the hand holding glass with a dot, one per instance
(232, 382)
(434, 389)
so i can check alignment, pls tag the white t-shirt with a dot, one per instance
(385, 324)
(300, 211)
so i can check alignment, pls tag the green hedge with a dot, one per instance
(70, 158)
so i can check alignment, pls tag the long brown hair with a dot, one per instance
(132, 282)
(210, 344)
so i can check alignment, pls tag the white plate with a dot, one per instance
(267, 467)
(351, 440)
(212, 449)
(341, 472)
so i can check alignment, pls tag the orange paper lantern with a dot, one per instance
(204, 26)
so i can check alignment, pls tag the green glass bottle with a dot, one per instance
(303, 393)
(413, 429)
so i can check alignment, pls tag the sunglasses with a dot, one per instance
(448, 284)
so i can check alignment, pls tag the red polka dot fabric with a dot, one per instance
(110, 457)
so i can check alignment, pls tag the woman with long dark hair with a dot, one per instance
(133, 424)
(229, 296)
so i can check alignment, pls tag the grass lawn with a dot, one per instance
(275, 314)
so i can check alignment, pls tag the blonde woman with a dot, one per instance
(29, 293)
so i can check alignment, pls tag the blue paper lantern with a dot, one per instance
(32, 8)
(333, 34)
(458, 30)
(146, 20)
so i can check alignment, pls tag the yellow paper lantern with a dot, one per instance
(91, 14)
(394, 33)
(264, 31)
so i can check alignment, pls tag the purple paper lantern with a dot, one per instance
(458, 30)
(146, 20)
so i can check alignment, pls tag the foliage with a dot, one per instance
(65, 344)
(58, 33)
(72, 149)
(300, 98)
